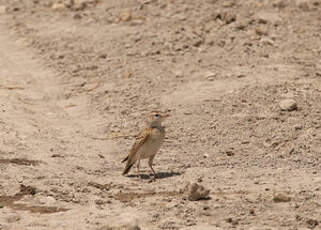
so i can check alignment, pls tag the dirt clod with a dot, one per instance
(281, 198)
(194, 192)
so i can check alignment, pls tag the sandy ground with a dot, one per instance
(76, 75)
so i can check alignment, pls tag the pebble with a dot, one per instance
(201, 227)
(58, 6)
(210, 76)
(3, 9)
(267, 41)
(195, 192)
(125, 221)
(303, 4)
(288, 105)
(281, 198)
(264, 17)
(125, 16)
(48, 200)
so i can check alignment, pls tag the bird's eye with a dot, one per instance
(157, 115)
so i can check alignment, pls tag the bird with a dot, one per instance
(147, 143)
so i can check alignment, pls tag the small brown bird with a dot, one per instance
(147, 142)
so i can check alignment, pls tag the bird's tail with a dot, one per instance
(128, 167)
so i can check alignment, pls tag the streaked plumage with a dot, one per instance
(147, 142)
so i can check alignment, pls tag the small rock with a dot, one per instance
(99, 202)
(195, 192)
(252, 212)
(260, 30)
(13, 219)
(201, 227)
(232, 221)
(125, 221)
(278, 198)
(280, 4)
(288, 105)
(77, 16)
(303, 4)
(125, 16)
(264, 17)
(58, 6)
(48, 200)
(123, 227)
(3, 9)
(179, 74)
(226, 16)
(267, 41)
(228, 4)
(312, 223)
(80, 6)
(229, 152)
(210, 76)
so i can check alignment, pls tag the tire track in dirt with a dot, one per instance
(37, 126)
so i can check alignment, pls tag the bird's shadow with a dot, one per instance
(159, 175)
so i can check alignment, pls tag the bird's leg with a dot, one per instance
(150, 163)
(138, 171)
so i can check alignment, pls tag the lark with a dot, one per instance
(147, 143)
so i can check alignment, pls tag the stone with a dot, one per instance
(202, 227)
(261, 31)
(3, 10)
(125, 16)
(194, 192)
(265, 17)
(267, 41)
(58, 6)
(48, 200)
(288, 105)
(303, 4)
(125, 221)
(278, 198)
(210, 76)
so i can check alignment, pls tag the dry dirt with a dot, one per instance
(76, 75)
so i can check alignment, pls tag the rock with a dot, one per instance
(226, 16)
(169, 223)
(179, 73)
(48, 200)
(267, 41)
(58, 6)
(312, 223)
(125, 221)
(280, 4)
(278, 198)
(288, 105)
(232, 221)
(303, 4)
(79, 6)
(261, 30)
(3, 10)
(264, 17)
(194, 192)
(210, 76)
(123, 227)
(125, 16)
(13, 219)
(201, 227)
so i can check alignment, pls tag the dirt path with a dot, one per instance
(42, 139)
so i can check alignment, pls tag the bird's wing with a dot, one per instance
(141, 138)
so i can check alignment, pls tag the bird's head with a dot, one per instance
(156, 117)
